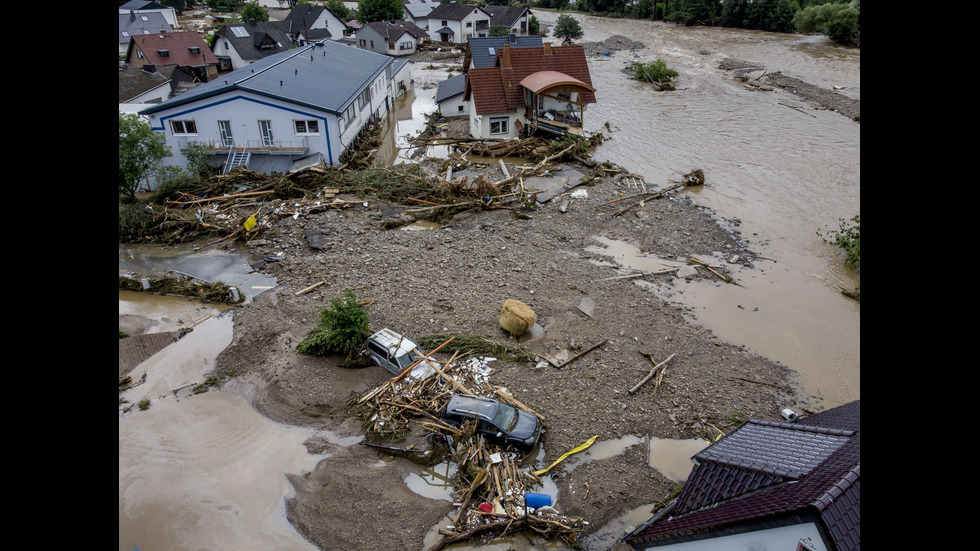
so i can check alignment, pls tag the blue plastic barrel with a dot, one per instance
(537, 500)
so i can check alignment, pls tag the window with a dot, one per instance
(307, 127)
(126, 34)
(364, 98)
(460, 108)
(498, 125)
(469, 24)
(443, 22)
(183, 127)
(363, 43)
(372, 44)
(240, 32)
(405, 45)
(224, 128)
(265, 130)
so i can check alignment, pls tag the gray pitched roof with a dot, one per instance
(450, 87)
(247, 38)
(483, 50)
(395, 29)
(767, 474)
(134, 81)
(141, 23)
(452, 12)
(420, 8)
(326, 76)
(142, 5)
(505, 15)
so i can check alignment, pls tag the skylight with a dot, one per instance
(240, 32)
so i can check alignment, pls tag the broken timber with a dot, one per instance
(653, 372)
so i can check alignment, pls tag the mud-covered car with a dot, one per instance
(395, 352)
(500, 422)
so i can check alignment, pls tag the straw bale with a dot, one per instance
(516, 317)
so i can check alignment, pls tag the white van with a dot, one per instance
(396, 352)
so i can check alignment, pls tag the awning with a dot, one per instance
(542, 80)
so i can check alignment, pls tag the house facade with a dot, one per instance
(769, 485)
(183, 49)
(455, 23)
(394, 38)
(306, 105)
(307, 23)
(240, 44)
(449, 97)
(529, 90)
(515, 18)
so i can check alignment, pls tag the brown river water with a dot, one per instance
(207, 471)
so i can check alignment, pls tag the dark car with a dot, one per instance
(501, 422)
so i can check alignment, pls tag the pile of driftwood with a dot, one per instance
(490, 483)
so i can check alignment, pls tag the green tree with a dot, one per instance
(338, 8)
(533, 25)
(380, 10)
(499, 30)
(567, 28)
(342, 328)
(252, 11)
(839, 21)
(140, 151)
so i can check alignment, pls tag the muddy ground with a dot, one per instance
(453, 279)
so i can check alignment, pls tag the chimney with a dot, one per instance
(547, 48)
(512, 38)
(505, 57)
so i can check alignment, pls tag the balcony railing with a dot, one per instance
(274, 147)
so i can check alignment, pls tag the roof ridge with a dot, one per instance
(804, 428)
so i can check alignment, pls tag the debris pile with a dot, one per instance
(492, 488)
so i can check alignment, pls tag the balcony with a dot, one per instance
(271, 147)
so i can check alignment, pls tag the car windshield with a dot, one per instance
(506, 417)
(407, 359)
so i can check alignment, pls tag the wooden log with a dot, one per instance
(506, 396)
(650, 375)
(310, 288)
(580, 354)
(471, 533)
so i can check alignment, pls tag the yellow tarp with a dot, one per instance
(250, 223)
(587, 443)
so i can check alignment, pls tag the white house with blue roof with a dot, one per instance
(297, 108)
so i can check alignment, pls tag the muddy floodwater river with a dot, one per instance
(208, 472)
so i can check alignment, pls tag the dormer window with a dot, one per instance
(163, 53)
(194, 49)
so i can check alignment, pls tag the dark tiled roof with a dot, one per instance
(178, 46)
(419, 8)
(497, 89)
(771, 472)
(142, 5)
(450, 87)
(257, 34)
(505, 15)
(135, 24)
(481, 51)
(134, 81)
(390, 30)
(452, 12)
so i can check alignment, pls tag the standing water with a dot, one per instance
(208, 471)
(779, 167)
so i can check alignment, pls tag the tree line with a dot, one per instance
(840, 20)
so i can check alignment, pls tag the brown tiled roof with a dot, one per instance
(769, 474)
(178, 45)
(497, 89)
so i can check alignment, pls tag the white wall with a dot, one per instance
(777, 539)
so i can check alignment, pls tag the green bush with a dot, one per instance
(848, 237)
(135, 221)
(342, 328)
(653, 72)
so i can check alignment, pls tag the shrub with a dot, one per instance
(342, 328)
(134, 222)
(848, 237)
(657, 71)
